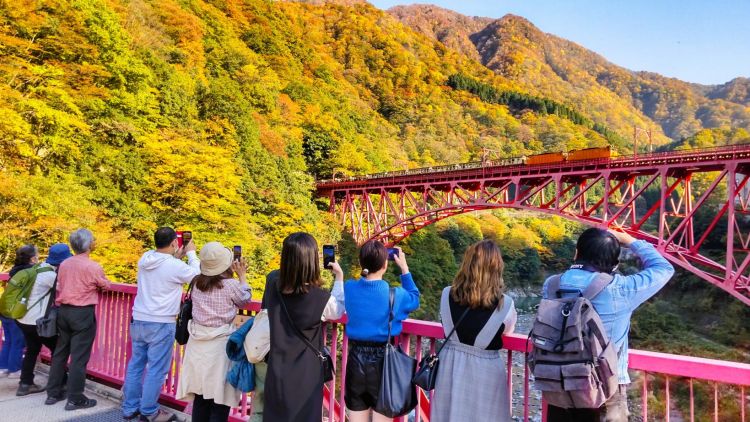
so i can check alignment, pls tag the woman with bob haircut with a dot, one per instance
(470, 363)
(367, 306)
(294, 377)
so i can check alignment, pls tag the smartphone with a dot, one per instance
(179, 239)
(186, 238)
(392, 252)
(237, 251)
(329, 255)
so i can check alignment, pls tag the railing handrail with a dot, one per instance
(468, 166)
(727, 372)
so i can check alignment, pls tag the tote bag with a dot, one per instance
(397, 395)
(258, 339)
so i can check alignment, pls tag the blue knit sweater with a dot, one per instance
(366, 304)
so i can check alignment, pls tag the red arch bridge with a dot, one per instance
(694, 205)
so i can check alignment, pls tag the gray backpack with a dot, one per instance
(573, 361)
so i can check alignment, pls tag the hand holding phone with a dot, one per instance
(329, 255)
(399, 258)
(392, 253)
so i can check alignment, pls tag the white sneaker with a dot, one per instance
(14, 375)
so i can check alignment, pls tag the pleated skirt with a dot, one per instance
(471, 386)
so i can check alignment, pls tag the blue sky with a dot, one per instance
(697, 41)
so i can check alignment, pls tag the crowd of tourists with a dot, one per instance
(585, 313)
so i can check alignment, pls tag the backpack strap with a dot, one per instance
(488, 332)
(553, 285)
(445, 312)
(600, 282)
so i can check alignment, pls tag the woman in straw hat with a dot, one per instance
(217, 296)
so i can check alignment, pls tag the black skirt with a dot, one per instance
(364, 370)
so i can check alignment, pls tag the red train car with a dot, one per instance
(547, 158)
(590, 153)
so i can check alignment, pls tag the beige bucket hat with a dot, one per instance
(215, 259)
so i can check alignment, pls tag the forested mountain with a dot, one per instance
(217, 115)
(565, 71)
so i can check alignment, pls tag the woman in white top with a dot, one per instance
(40, 296)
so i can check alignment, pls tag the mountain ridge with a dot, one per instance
(554, 67)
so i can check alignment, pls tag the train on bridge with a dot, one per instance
(530, 160)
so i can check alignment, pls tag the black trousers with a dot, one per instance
(614, 410)
(34, 345)
(77, 330)
(205, 410)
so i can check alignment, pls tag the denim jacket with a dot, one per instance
(616, 303)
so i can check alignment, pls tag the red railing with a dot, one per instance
(659, 372)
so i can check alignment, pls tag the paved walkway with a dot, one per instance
(31, 408)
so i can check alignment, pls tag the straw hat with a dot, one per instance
(215, 259)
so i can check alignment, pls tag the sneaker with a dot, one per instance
(24, 389)
(83, 404)
(14, 375)
(160, 416)
(54, 399)
(132, 417)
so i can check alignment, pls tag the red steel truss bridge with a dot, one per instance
(693, 205)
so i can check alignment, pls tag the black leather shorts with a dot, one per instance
(364, 369)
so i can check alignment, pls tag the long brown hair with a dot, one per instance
(299, 268)
(479, 283)
(206, 283)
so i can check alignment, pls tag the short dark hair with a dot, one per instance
(164, 236)
(299, 268)
(372, 256)
(24, 254)
(599, 249)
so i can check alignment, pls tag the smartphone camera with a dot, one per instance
(186, 238)
(237, 252)
(392, 253)
(329, 255)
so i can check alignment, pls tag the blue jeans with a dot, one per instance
(148, 366)
(11, 354)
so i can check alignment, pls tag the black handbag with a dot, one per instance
(181, 333)
(324, 354)
(397, 395)
(428, 367)
(46, 325)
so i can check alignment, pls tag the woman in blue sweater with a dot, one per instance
(367, 305)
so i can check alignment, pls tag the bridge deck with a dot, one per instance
(31, 408)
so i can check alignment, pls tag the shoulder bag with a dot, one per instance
(324, 354)
(181, 333)
(46, 325)
(428, 367)
(258, 339)
(397, 395)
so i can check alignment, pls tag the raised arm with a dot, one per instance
(335, 307)
(655, 274)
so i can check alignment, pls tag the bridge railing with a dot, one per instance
(705, 387)
(510, 163)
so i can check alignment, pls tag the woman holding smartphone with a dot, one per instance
(297, 306)
(367, 305)
(217, 296)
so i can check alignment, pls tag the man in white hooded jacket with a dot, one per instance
(161, 276)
